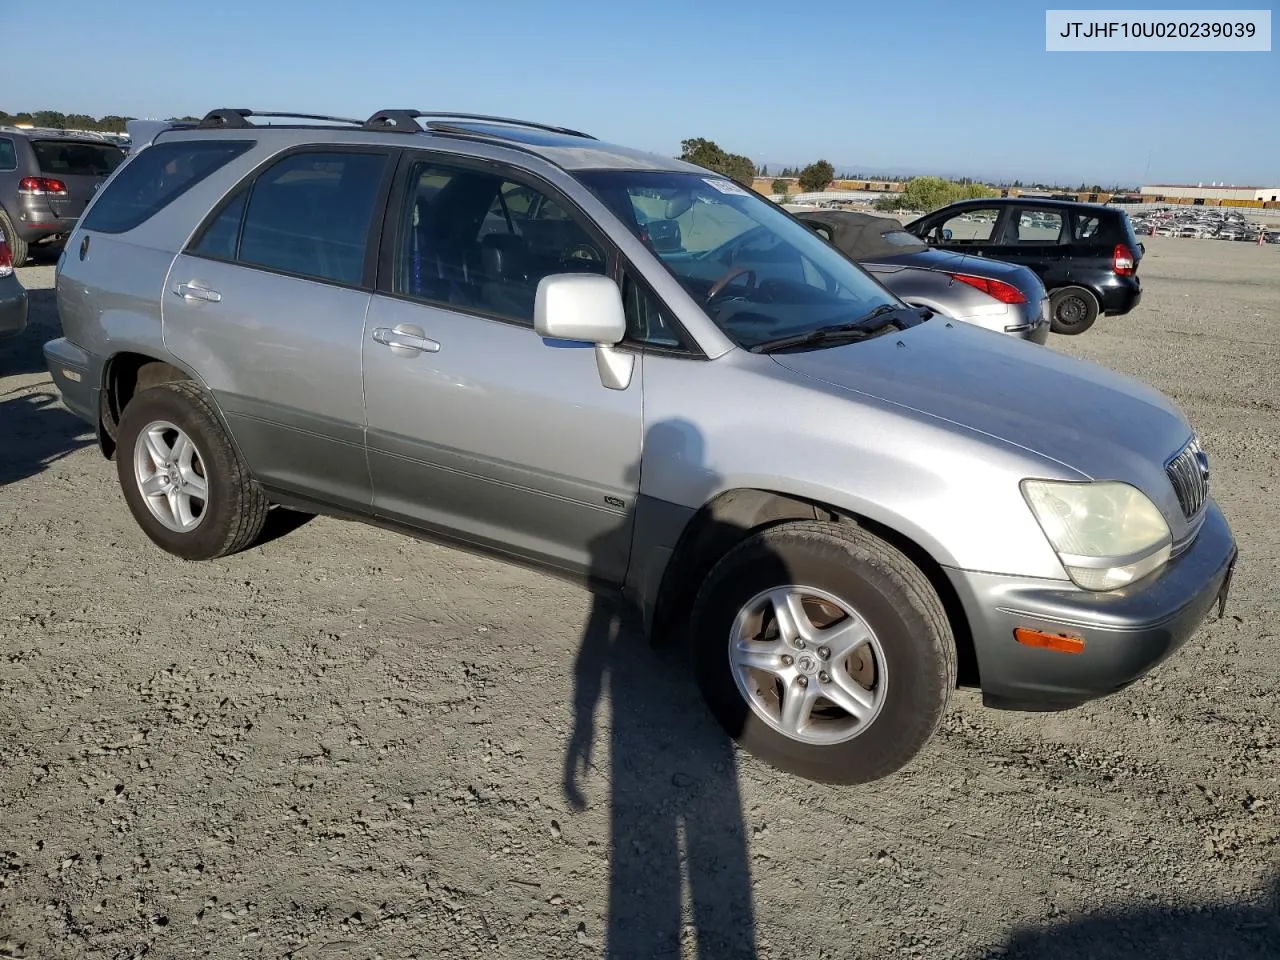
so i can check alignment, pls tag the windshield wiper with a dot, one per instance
(859, 329)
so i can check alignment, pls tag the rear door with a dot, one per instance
(79, 165)
(1036, 238)
(268, 302)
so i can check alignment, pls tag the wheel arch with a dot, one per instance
(126, 373)
(732, 516)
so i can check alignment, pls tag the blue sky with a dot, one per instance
(961, 88)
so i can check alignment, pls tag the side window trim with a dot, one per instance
(688, 348)
(392, 232)
(245, 185)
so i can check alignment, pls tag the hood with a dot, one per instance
(1096, 422)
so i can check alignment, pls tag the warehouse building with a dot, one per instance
(1211, 191)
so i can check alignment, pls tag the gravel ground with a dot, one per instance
(346, 743)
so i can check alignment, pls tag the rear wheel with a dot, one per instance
(16, 244)
(182, 478)
(1073, 310)
(824, 651)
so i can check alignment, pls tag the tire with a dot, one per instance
(16, 243)
(912, 668)
(233, 510)
(1073, 310)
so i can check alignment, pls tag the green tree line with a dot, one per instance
(930, 193)
(56, 120)
(709, 154)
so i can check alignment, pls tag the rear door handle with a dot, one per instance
(405, 338)
(193, 291)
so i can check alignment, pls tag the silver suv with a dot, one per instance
(637, 374)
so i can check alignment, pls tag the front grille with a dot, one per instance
(1188, 471)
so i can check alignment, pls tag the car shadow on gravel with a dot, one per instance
(25, 353)
(1244, 932)
(36, 431)
(675, 809)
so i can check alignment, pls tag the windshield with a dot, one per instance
(758, 274)
(72, 158)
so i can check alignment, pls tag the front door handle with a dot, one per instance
(193, 291)
(405, 338)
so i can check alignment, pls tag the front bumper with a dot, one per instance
(13, 308)
(1126, 632)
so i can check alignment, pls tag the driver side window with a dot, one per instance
(475, 241)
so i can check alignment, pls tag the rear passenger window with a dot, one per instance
(1038, 226)
(8, 155)
(155, 178)
(221, 239)
(309, 215)
(479, 242)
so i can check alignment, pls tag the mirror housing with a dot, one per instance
(586, 308)
(946, 233)
(579, 306)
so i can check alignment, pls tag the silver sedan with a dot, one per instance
(999, 296)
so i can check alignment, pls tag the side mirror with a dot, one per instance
(946, 233)
(586, 308)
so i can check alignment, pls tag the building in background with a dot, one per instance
(1189, 193)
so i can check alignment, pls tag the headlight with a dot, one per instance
(1107, 534)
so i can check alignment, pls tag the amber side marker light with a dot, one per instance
(1060, 642)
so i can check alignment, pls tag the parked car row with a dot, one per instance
(1203, 223)
(1085, 257)
(632, 372)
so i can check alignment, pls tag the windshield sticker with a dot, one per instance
(726, 186)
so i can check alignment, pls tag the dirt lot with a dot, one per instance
(345, 743)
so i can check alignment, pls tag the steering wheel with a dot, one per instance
(724, 281)
(581, 255)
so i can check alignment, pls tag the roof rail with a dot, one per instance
(228, 118)
(405, 121)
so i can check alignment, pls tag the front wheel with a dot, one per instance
(824, 651)
(182, 478)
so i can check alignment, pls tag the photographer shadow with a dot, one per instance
(675, 809)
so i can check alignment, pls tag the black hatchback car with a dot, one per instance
(1087, 254)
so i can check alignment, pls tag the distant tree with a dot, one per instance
(780, 186)
(764, 170)
(708, 154)
(112, 124)
(816, 177)
(887, 204)
(49, 118)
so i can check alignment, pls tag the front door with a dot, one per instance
(478, 429)
(269, 302)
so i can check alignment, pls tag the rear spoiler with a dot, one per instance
(143, 132)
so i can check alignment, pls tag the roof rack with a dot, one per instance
(405, 121)
(228, 118)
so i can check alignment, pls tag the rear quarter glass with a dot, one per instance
(154, 178)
